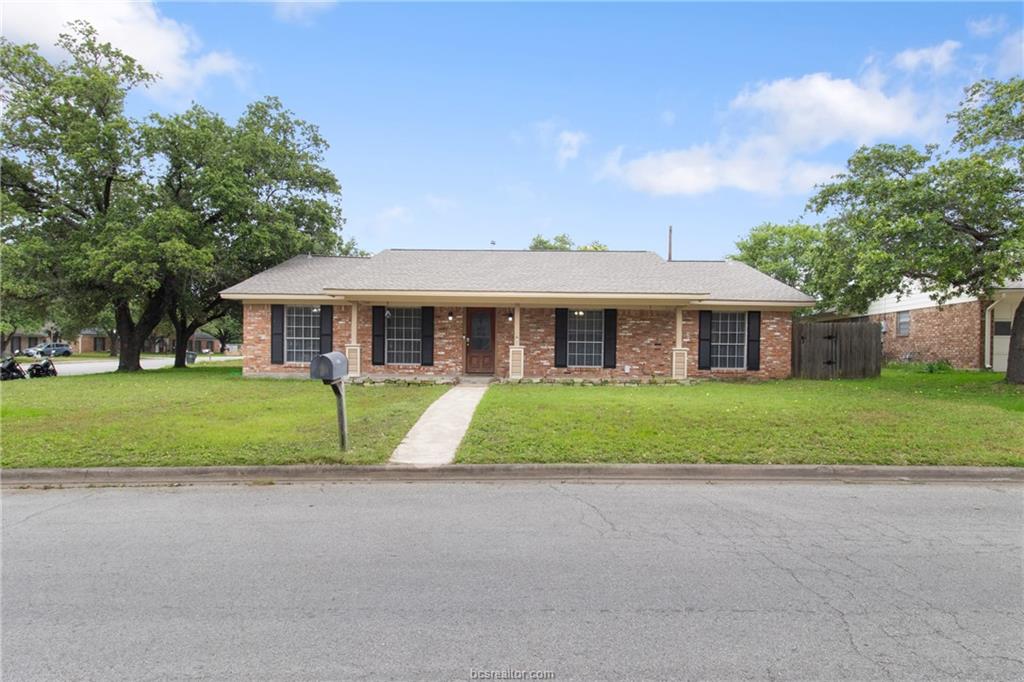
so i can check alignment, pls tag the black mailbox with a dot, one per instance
(329, 367)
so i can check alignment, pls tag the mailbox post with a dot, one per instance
(332, 368)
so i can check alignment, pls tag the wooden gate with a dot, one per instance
(837, 350)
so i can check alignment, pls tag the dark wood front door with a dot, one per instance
(480, 341)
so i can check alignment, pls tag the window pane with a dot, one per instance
(728, 340)
(403, 336)
(903, 323)
(585, 336)
(301, 333)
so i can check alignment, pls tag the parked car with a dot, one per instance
(30, 351)
(51, 350)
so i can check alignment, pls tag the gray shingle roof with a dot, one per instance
(569, 272)
(732, 280)
(301, 275)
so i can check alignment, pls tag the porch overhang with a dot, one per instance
(535, 299)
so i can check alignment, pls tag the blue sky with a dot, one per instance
(452, 125)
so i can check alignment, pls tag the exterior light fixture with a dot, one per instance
(511, 316)
(387, 313)
(450, 316)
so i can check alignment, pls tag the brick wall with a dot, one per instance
(776, 346)
(644, 345)
(953, 333)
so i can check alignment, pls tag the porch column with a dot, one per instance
(352, 350)
(516, 326)
(680, 355)
(516, 353)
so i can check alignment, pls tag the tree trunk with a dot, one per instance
(1015, 361)
(132, 335)
(183, 331)
(6, 339)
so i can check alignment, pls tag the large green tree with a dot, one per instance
(151, 218)
(246, 197)
(563, 242)
(786, 252)
(950, 222)
(72, 181)
(24, 303)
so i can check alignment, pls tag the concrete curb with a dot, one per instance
(112, 476)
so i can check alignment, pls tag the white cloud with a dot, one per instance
(569, 144)
(986, 26)
(757, 166)
(816, 110)
(440, 203)
(301, 11)
(783, 123)
(392, 215)
(1010, 60)
(668, 117)
(937, 58)
(162, 45)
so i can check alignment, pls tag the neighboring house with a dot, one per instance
(968, 332)
(23, 340)
(92, 341)
(89, 340)
(519, 314)
(201, 342)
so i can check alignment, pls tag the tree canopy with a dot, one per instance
(786, 252)
(563, 242)
(947, 221)
(153, 217)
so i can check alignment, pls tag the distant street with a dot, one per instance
(438, 581)
(72, 368)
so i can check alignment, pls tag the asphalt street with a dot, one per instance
(446, 580)
(73, 368)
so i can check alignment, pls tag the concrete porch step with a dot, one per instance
(476, 379)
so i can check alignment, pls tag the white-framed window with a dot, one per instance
(728, 340)
(903, 323)
(301, 333)
(403, 336)
(585, 338)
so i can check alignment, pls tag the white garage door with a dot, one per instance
(1000, 345)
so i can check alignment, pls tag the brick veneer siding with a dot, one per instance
(953, 333)
(644, 344)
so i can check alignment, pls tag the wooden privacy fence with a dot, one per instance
(837, 350)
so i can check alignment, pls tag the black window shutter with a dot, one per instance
(561, 337)
(326, 328)
(277, 334)
(427, 336)
(611, 327)
(704, 340)
(754, 340)
(377, 354)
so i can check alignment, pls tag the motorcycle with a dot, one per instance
(10, 369)
(38, 370)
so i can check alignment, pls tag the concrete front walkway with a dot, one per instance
(434, 438)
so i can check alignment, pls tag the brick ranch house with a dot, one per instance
(518, 315)
(968, 332)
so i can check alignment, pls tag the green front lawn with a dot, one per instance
(204, 415)
(905, 417)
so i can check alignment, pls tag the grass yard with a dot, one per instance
(905, 417)
(204, 415)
